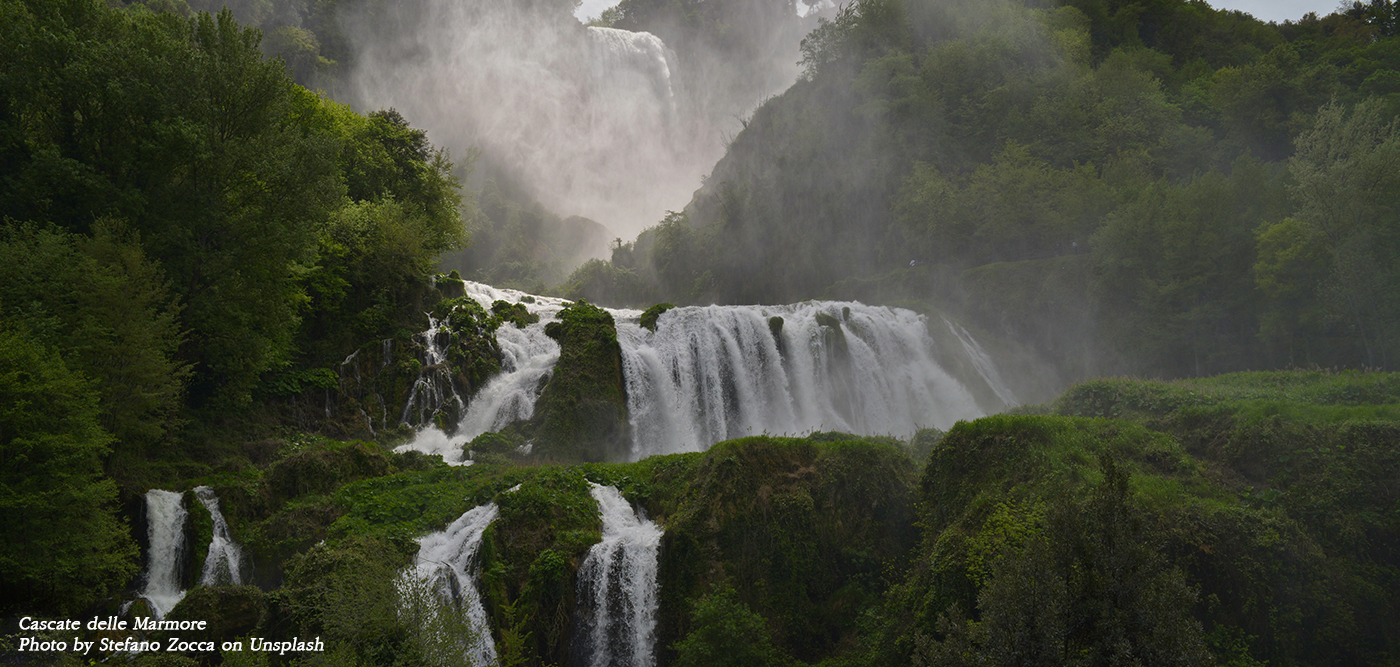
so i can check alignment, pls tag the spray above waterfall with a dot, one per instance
(594, 121)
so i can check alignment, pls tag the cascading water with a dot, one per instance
(165, 533)
(433, 390)
(983, 363)
(528, 357)
(622, 54)
(223, 564)
(617, 587)
(447, 564)
(718, 372)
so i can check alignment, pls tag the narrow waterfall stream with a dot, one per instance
(165, 533)
(618, 592)
(223, 563)
(448, 565)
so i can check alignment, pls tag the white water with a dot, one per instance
(713, 373)
(447, 562)
(717, 372)
(433, 390)
(983, 363)
(617, 588)
(165, 533)
(528, 357)
(223, 564)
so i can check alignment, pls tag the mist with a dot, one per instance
(609, 124)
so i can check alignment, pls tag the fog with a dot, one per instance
(608, 124)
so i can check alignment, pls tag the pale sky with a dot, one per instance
(1279, 10)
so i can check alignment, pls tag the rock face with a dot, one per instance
(583, 410)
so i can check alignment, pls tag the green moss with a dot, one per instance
(230, 611)
(649, 315)
(582, 413)
(515, 313)
(530, 556)
(775, 325)
(802, 528)
(199, 532)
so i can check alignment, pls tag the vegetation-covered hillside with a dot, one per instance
(211, 276)
(1180, 190)
(1241, 520)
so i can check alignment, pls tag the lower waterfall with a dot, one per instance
(618, 592)
(447, 565)
(223, 563)
(165, 534)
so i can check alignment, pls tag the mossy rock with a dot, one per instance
(582, 413)
(649, 316)
(231, 611)
(802, 527)
(828, 321)
(322, 470)
(495, 443)
(515, 313)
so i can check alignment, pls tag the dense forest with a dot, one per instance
(216, 272)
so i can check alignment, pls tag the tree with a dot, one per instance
(724, 632)
(1089, 589)
(64, 547)
(103, 306)
(179, 127)
(1348, 187)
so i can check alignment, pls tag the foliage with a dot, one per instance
(68, 547)
(515, 313)
(726, 632)
(103, 306)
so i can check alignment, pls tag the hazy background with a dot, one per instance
(615, 126)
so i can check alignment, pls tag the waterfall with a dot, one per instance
(433, 390)
(165, 533)
(448, 565)
(983, 363)
(617, 588)
(528, 357)
(718, 372)
(714, 373)
(223, 563)
(642, 57)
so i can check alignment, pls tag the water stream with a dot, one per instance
(618, 592)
